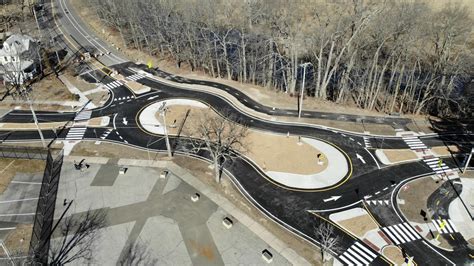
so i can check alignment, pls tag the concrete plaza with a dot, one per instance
(158, 212)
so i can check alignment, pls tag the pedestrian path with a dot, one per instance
(414, 143)
(437, 165)
(113, 85)
(357, 254)
(401, 233)
(106, 133)
(83, 115)
(76, 133)
(136, 77)
(367, 142)
(444, 226)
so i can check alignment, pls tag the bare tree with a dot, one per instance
(17, 81)
(137, 253)
(77, 237)
(222, 137)
(328, 241)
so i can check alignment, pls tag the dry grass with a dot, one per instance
(135, 87)
(227, 189)
(10, 167)
(110, 150)
(51, 88)
(359, 225)
(416, 196)
(394, 254)
(445, 150)
(399, 155)
(18, 241)
(30, 126)
(96, 121)
(79, 83)
(263, 148)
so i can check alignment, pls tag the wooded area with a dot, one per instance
(388, 56)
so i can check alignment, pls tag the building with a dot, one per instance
(19, 59)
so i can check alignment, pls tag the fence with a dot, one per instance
(18, 152)
(41, 235)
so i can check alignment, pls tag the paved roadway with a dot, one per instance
(296, 210)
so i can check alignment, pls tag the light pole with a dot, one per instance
(468, 160)
(162, 111)
(302, 89)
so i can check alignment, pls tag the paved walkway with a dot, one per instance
(267, 236)
(82, 97)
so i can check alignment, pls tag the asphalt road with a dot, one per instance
(297, 210)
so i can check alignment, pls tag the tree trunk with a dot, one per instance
(217, 170)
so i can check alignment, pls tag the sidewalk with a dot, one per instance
(267, 236)
(82, 97)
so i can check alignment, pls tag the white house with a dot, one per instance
(19, 57)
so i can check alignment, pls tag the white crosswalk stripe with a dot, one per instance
(76, 133)
(367, 142)
(106, 134)
(358, 254)
(380, 202)
(136, 77)
(113, 84)
(439, 167)
(401, 233)
(449, 227)
(83, 115)
(414, 143)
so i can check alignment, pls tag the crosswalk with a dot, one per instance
(113, 85)
(401, 233)
(136, 77)
(414, 143)
(448, 227)
(380, 202)
(438, 166)
(83, 115)
(106, 133)
(76, 133)
(367, 142)
(358, 254)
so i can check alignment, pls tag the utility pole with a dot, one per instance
(302, 90)
(36, 123)
(468, 160)
(162, 111)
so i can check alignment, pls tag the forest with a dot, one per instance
(387, 56)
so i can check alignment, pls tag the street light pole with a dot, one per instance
(36, 122)
(302, 90)
(468, 160)
(162, 111)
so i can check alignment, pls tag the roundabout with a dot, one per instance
(293, 162)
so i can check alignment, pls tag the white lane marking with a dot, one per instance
(24, 182)
(18, 200)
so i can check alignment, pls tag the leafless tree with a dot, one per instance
(77, 237)
(222, 137)
(389, 56)
(17, 83)
(137, 253)
(327, 239)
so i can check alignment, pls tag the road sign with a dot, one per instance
(149, 64)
